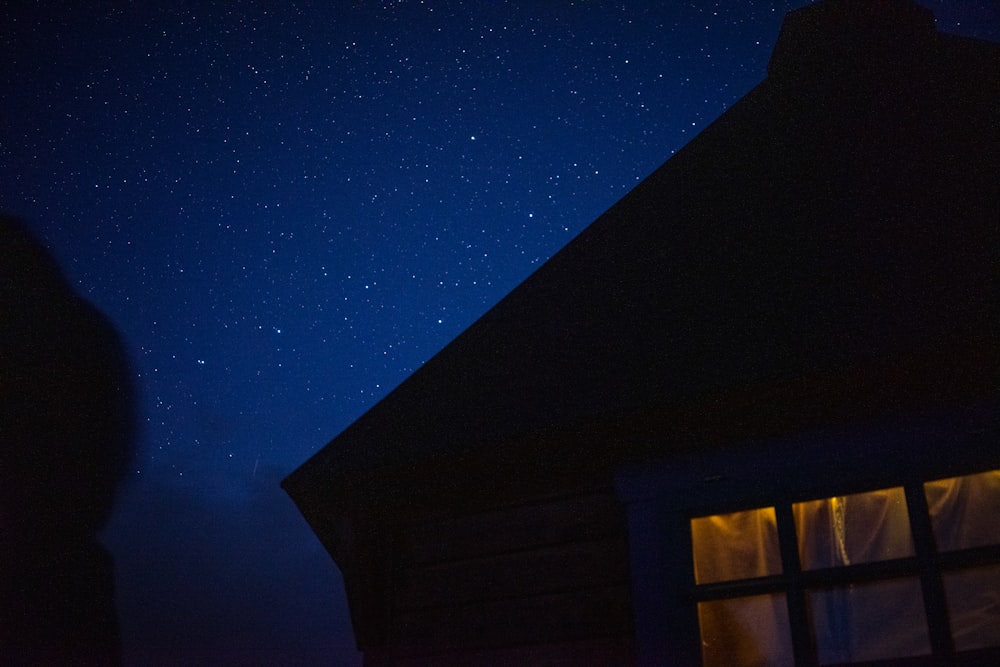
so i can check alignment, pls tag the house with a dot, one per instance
(748, 417)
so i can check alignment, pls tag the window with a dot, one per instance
(884, 575)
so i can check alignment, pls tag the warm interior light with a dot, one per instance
(872, 621)
(746, 632)
(740, 545)
(973, 597)
(857, 528)
(965, 514)
(965, 511)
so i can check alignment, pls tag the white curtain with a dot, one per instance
(861, 622)
(869, 621)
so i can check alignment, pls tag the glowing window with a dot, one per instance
(859, 528)
(745, 632)
(973, 597)
(734, 546)
(873, 621)
(964, 510)
(888, 574)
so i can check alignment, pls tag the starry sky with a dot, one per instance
(286, 208)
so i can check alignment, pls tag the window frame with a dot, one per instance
(662, 498)
(928, 565)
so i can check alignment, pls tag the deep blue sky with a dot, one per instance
(287, 207)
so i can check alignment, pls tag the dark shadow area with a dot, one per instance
(66, 439)
(821, 258)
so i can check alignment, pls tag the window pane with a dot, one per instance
(858, 528)
(745, 632)
(964, 510)
(974, 607)
(740, 545)
(869, 622)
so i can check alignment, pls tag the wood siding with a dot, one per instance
(542, 576)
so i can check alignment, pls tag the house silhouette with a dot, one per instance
(779, 348)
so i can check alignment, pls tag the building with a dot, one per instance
(748, 417)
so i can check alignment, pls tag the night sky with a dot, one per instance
(286, 208)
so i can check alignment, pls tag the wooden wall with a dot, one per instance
(542, 582)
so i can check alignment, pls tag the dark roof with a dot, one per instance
(833, 233)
